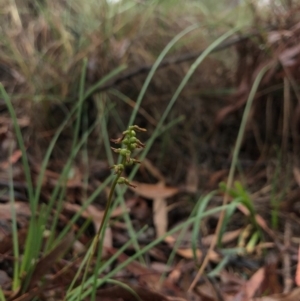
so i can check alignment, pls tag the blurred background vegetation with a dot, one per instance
(185, 70)
(43, 44)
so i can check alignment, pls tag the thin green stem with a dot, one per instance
(108, 204)
(130, 142)
(98, 234)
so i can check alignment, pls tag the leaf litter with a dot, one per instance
(160, 203)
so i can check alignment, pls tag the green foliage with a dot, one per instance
(239, 196)
(40, 217)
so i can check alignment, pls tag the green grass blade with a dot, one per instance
(155, 66)
(220, 266)
(242, 128)
(126, 287)
(50, 148)
(33, 205)
(81, 99)
(198, 210)
(103, 80)
(2, 297)
(73, 294)
(201, 206)
(16, 269)
(61, 180)
(144, 250)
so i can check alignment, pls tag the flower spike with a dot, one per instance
(129, 143)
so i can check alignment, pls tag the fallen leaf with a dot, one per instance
(176, 273)
(191, 185)
(271, 281)
(17, 154)
(160, 215)
(160, 267)
(19, 207)
(206, 292)
(254, 283)
(188, 252)
(297, 277)
(228, 278)
(291, 296)
(226, 238)
(148, 277)
(296, 173)
(287, 57)
(152, 191)
(260, 221)
(158, 193)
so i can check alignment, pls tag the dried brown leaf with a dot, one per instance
(192, 179)
(297, 277)
(19, 207)
(254, 283)
(287, 56)
(292, 296)
(206, 292)
(226, 238)
(271, 279)
(296, 172)
(188, 252)
(277, 35)
(17, 154)
(160, 215)
(152, 191)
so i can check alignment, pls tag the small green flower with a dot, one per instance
(118, 168)
(130, 143)
(125, 181)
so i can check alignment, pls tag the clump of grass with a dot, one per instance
(41, 214)
(239, 196)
